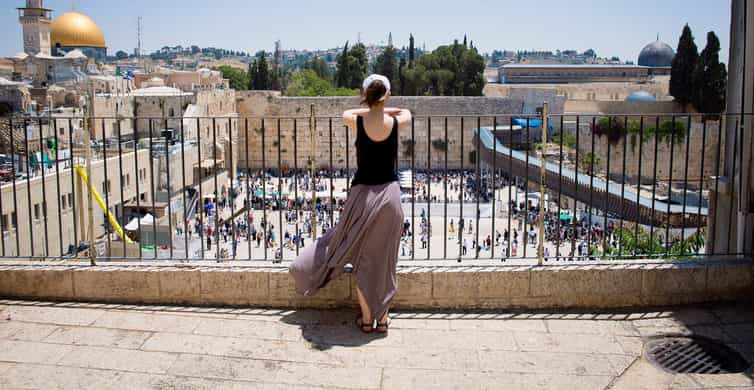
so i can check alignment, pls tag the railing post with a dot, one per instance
(313, 130)
(542, 187)
(88, 125)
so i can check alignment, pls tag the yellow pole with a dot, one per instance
(93, 191)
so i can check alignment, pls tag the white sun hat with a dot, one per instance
(374, 77)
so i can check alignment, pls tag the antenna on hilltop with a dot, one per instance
(358, 37)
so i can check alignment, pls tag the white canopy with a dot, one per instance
(133, 225)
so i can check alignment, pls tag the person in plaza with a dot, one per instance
(368, 233)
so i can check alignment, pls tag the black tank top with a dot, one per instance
(376, 161)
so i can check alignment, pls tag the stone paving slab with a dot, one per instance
(47, 345)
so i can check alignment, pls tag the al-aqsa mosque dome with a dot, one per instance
(656, 54)
(73, 30)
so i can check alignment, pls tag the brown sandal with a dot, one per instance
(382, 327)
(364, 328)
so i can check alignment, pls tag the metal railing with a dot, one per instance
(518, 189)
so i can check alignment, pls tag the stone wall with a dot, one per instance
(425, 288)
(598, 91)
(697, 138)
(462, 113)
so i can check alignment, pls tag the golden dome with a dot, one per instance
(77, 30)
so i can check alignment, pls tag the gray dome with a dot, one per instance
(656, 54)
(641, 96)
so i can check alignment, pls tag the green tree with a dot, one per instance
(341, 76)
(252, 74)
(452, 70)
(710, 79)
(320, 67)
(357, 65)
(386, 64)
(262, 80)
(682, 69)
(239, 80)
(401, 78)
(308, 83)
(411, 51)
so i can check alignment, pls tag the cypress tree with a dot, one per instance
(341, 73)
(252, 75)
(683, 67)
(263, 74)
(411, 50)
(709, 79)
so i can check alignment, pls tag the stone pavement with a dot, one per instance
(102, 346)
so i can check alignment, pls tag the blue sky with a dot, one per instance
(613, 27)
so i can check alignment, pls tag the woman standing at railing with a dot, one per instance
(369, 232)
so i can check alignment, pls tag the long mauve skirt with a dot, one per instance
(368, 236)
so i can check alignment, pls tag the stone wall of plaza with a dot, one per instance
(599, 91)
(696, 138)
(428, 133)
(31, 200)
(111, 111)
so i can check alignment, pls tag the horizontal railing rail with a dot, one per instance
(510, 188)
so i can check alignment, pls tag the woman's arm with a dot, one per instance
(349, 116)
(403, 116)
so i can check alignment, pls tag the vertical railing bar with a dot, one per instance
(57, 181)
(183, 192)
(230, 192)
(560, 187)
(638, 184)
(478, 182)
(135, 125)
(462, 190)
(332, 212)
(623, 188)
(44, 190)
(701, 179)
(718, 156)
(413, 189)
(525, 233)
(217, 193)
(3, 223)
(295, 181)
(348, 157)
(106, 190)
(15, 195)
(512, 179)
(152, 187)
(28, 186)
(731, 221)
(654, 188)
(607, 191)
(685, 185)
(574, 218)
(445, 195)
(591, 193)
(280, 191)
(247, 190)
(167, 177)
(493, 233)
(200, 206)
(429, 185)
(264, 193)
(670, 185)
(120, 169)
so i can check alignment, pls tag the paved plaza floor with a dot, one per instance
(107, 346)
